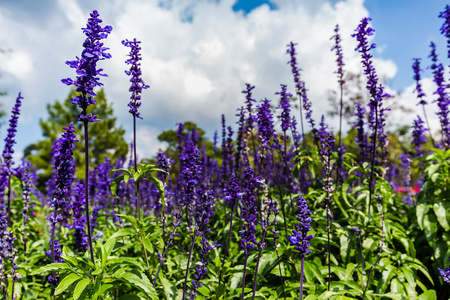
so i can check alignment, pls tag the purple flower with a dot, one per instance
(286, 109)
(265, 125)
(249, 211)
(376, 90)
(338, 49)
(10, 137)
(232, 192)
(445, 274)
(357, 231)
(442, 100)
(445, 28)
(293, 63)
(63, 164)
(190, 172)
(418, 89)
(418, 136)
(79, 218)
(300, 238)
(86, 66)
(248, 101)
(137, 84)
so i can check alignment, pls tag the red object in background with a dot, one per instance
(412, 190)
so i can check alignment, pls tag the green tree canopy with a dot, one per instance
(105, 138)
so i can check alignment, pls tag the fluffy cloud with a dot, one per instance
(197, 56)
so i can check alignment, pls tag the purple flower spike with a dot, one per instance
(300, 238)
(137, 84)
(86, 66)
(417, 77)
(418, 136)
(338, 50)
(445, 28)
(10, 138)
(445, 274)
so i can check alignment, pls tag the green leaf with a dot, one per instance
(66, 282)
(134, 280)
(122, 232)
(421, 211)
(109, 246)
(125, 260)
(428, 295)
(147, 244)
(50, 268)
(79, 288)
(441, 214)
(160, 186)
(115, 183)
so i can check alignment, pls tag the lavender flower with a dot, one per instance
(376, 90)
(8, 151)
(361, 139)
(338, 50)
(442, 100)
(86, 66)
(286, 109)
(249, 212)
(445, 28)
(63, 180)
(203, 215)
(79, 218)
(445, 274)
(137, 84)
(418, 89)
(300, 238)
(248, 101)
(418, 136)
(266, 129)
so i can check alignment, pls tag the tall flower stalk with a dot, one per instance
(300, 238)
(233, 194)
(86, 80)
(63, 180)
(137, 85)
(376, 90)
(420, 93)
(340, 73)
(8, 151)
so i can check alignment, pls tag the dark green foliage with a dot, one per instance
(106, 138)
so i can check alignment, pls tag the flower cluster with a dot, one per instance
(191, 169)
(265, 125)
(137, 84)
(300, 238)
(445, 28)
(248, 101)
(249, 211)
(338, 49)
(445, 274)
(442, 100)
(295, 70)
(8, 151)
(418, 89)
(418, 136)
(86, 66)
(233, 193)
(376, 90)
(79, 218)
(285, 116)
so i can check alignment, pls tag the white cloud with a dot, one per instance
(196, 69)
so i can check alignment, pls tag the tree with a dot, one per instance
(105, 138)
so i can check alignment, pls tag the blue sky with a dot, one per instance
(198, 54)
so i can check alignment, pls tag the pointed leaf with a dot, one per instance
(66, 282)
(80, 287)
(115, 183)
